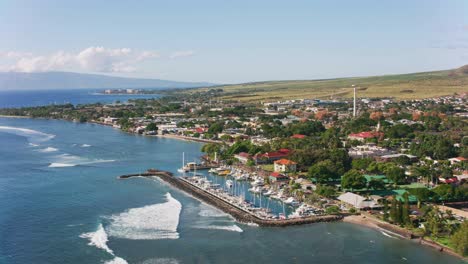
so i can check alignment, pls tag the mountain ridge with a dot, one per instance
(70, 80)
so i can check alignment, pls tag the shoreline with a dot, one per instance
(366, 221)
(372, 223)
(11, 116)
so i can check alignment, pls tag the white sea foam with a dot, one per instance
(33, 145)
(233, 228)
(60, 165)
(85, 145)
(116, 260)
(161, 261)
(158, 221)
(98, 239)
(67, 160)
(387, 235)
(48, 149)
(210, 211)
(33, 136)
(212, 216)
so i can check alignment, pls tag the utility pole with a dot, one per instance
(354, 101)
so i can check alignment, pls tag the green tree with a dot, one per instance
(406, 210)
(396, 174)
(353, 179)
(376, 184)
(332, 209)
(322, 171)
(460, 239)
(361, 164)
(151, 127)
(385, 210)
(325, 190)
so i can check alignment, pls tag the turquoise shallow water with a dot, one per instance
(59, 193)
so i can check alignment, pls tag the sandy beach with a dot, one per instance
(395, 231)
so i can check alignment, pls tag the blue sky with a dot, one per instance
(235, 41)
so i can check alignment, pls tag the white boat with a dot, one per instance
(291, 201)
(229, 183)
(183, 169)
(256, 189)
(268, 193)
(258, 182)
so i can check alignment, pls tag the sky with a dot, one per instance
(233, 41)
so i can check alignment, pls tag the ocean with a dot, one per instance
(61, 202)
(10, 99)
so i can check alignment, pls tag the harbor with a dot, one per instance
(229, 203)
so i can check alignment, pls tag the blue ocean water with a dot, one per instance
(61, 202)
(10, 99)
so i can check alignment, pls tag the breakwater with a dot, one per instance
(238, 213)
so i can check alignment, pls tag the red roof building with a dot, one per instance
(298, 136)
(278, 177)
(361, 136)
(269, 157)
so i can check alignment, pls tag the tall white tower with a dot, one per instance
(354, 101)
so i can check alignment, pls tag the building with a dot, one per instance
(358, 201)
(276, 177)
(243, 157)
(457, 160)
(270, 157)
(285, 165)
(362, 136)
(392, 157)
(298, 136)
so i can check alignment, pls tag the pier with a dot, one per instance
(240, 214)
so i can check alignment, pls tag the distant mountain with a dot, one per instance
(70, 80)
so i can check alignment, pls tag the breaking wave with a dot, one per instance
(85, 146)
(210, 211)
(151, 222)
(233, 228)
(116, 260)
(48, 149)
(388, 235)
(161, 261)
(212, 216)
(33, 136)
(98, 239)
(67, 160)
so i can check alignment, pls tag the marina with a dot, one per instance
(241, 210)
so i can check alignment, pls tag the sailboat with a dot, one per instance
(183, 169)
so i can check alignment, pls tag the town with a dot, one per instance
(399, 164)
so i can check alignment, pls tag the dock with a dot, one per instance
(240, 214)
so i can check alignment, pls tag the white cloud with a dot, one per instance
(183, 53)
(14, 54)
(92, 59)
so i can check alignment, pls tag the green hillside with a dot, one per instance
(402, 86)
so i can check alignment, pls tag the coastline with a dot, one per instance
(11, 116)
(362, 220)
(373, 223)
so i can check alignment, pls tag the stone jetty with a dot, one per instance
(238, 213)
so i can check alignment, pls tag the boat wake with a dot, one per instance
(67, 160)
(158, 221)
(33, 136)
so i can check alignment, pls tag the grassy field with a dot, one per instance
(403, 86)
